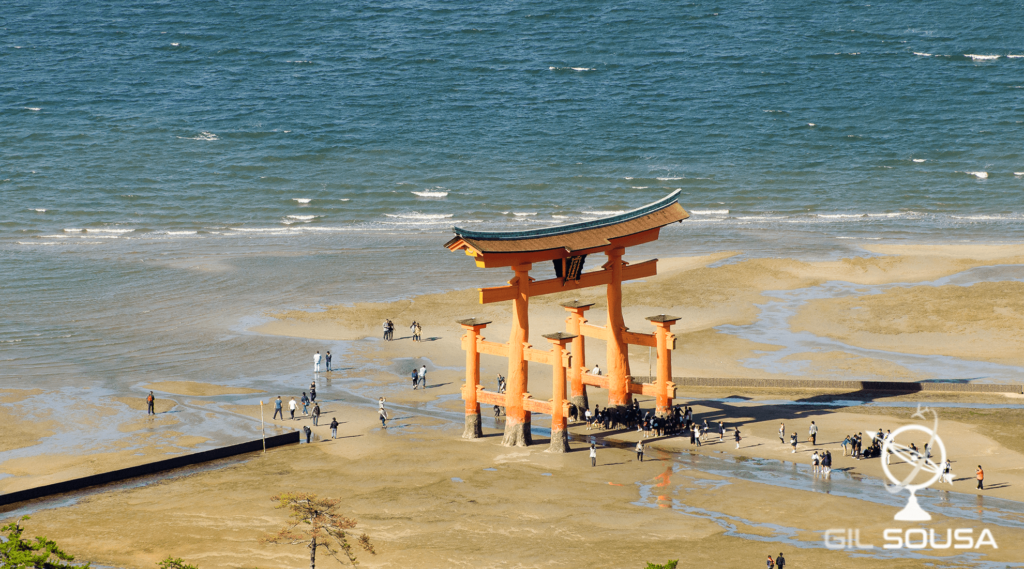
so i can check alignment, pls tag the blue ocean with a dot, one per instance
(170, 171)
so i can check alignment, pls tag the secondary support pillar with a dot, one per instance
(516, 418)
(577, 390)
(618, 354)
(666, 343)
(472, 327)
(560, 359)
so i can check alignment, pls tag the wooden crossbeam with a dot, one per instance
(591, 331)
(651, 389)
(538, 356)
(595, 380)
(489, 397)
(640, 339)
(536, 406)
(492, 348)
(550, 286)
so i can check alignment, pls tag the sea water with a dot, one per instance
(170, 172)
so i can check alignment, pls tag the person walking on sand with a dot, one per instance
(305, 404)
(415, 378)
(412, 330)
(814, 433)
(308, 431)
(981, 478)
(640, 450)
(316, 362)
(736, 434)
(383, 416)
(312, 392)
(423, 376)
(385, 329)
(782, 433)
(947, 472)
(151, 404)
(334, 427)
(780, 561)
(721, 432)
(700, 433)
(291, 407)
(327, 360)
(770, 563)
(278, 409)
(316, 415)
(815, 459)
(792, 441)
(588, 417)
(593, 454)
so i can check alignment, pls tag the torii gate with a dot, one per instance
(567, 246)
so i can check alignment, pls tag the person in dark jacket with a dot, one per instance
(334, 428)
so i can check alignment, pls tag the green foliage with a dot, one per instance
(670, 565)
(175, 563)
(42, 553)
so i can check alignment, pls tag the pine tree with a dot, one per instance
(316, 524)
(18, 553)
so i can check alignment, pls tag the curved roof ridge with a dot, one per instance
(571, 227)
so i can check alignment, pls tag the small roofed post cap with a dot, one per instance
(576, 304)
(663, 318)
(559, 336)
(474, 322)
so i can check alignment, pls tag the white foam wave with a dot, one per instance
(898, 214)
(39, 209)
(604, 213)
(343, 200)
(523, 213)
(431, 194)
(919, 159)
(1018, 173)
(73, 230)
(560, 216)
(773, 111)
(923, 54)
(33, 109)
(639, 187)
(415, 215)
(628, 178)
(981, 57)
(303, 217)
(755, 217)
(553, 68)
(39, 243)
(175, 44)
(115, 231)
(201, 136)
(980, 217)
(665, 179)
(582, 68)
(302, 200)
(839, 215)
(1016, 56)
(979, 175)
(259, 229)
(54, 236)
(709, 211)
(180, 232)
(811, 124)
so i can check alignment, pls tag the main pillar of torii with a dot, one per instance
(567, 247)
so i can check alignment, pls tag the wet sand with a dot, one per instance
(428, 498)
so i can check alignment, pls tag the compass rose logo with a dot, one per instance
(921, 465)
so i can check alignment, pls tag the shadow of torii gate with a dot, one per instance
(567, 247)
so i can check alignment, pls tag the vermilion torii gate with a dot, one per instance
(567, 246)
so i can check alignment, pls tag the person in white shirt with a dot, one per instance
(291, 407)
(589, 418)
(423, 376)
(593, 454)
(596, 370)
(814, 433)
(316, 362)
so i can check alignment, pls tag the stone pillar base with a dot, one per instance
(473, 429)
(559, 441)
(581, 403)
(516, 434)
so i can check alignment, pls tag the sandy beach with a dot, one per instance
(431, 499)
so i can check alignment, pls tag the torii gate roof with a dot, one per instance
(574, 238)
